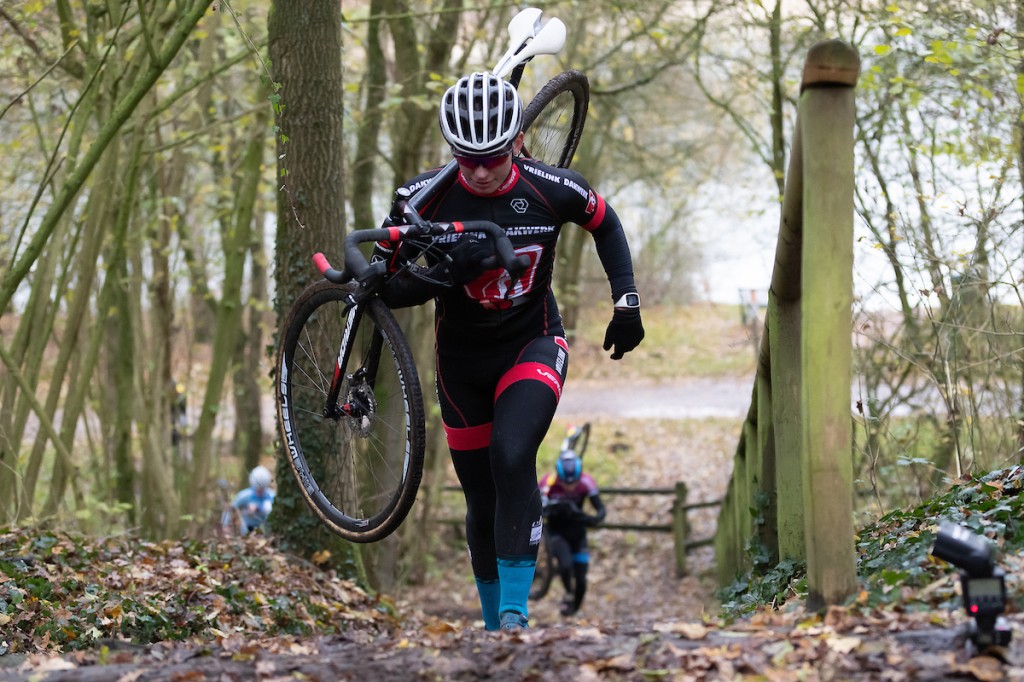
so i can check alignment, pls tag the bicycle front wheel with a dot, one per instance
(350, 411)
(553, 121)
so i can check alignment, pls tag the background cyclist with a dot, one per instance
(501, 351)
(564, 494)
(255, 502)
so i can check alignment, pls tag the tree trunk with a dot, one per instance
(1020, 173)
(248, 375)
(229, 312)
(305, 52)
(364, 166)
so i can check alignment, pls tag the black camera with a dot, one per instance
(983, 583)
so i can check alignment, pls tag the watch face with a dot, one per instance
(630, 300)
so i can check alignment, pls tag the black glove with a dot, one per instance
(580, 516)
(469, 259)
(625, 331)
(563, 510)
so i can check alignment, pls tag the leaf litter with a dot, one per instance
(123, 608)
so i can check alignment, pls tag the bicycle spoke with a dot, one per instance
(358, 456)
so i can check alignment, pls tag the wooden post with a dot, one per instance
(827, 121)
(741, 502)
(725, 558)
(752, 464)
(767, 533)
(783, 321)
(784, 330)
(680, 528)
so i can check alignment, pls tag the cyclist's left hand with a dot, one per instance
(625, 332)
(470, 258)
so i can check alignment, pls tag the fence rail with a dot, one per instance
(679, 526)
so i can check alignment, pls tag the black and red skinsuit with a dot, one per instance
(501, 351)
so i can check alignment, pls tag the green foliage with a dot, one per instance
(894, 559)
(751, 592)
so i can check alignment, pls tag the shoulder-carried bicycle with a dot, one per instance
(349, 406)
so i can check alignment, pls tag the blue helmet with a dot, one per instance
(569, 467)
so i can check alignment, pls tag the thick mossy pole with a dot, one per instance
(826, 128)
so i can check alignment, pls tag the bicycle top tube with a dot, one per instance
(437, 184)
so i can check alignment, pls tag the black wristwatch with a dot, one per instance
(630, 300)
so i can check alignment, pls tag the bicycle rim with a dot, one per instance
(553, 121)
(358, 459)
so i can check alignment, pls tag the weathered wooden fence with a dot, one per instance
(678, 526)
(791, 490)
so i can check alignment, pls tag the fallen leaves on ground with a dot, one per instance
(844, 643)
(60, 592)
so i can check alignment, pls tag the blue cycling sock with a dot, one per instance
(516, 574)
(490, 598)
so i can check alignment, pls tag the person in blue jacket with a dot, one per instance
(253, 504)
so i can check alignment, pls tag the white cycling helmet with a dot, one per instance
(481, 115)
(259, 477)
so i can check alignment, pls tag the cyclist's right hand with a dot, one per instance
(563, 510)
(469, 259)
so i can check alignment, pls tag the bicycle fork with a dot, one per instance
(359, 402)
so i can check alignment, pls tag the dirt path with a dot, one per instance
(690, 398)
(632, 575)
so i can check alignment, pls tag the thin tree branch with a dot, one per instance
(17, 98)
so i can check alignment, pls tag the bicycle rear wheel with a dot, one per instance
(352, 418)
(553, 121)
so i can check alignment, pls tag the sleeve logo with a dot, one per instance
(591, 203)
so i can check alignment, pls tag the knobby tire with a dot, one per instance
(554, 119)
(358, 470)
